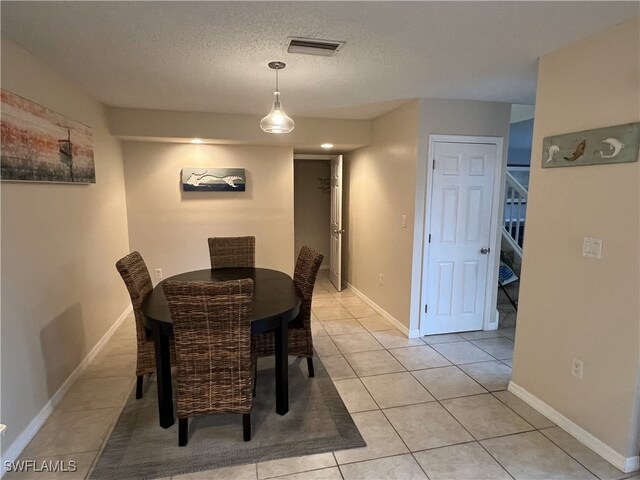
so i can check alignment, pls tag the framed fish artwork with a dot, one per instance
(617, 144)
(213, 180)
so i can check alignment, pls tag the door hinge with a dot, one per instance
(429, 238)
(426, 307)
(434, 164)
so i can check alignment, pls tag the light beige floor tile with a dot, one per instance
(332, 313)
(92, 393)
(491, 375)
(525, 411)
(112, 366)
(531, 456)
(325, 302)
(356, 342)
(444, 338)
(287, 466)
(317, 330)
(419, 357)
(587, 457)
(377, 362)
(382, 440)
(448, 382)
(462, 352)
(396, 389)
(426, 425)
(325, 346)
(375, 323)
(332, 473)
(74, 431)
(342, 327)
(338, 368)
(500, 348)
(401, 467)
(238, 472)
(359, 311)
(120, 344)
(480, 334)
(78, 470)
(355, 396)
(346, 292)
(321, 293)
(395, 339)
(351, 302)
(460, 462)
(484, 416)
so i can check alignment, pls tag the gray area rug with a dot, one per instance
(317, 422)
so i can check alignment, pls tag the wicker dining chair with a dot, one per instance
(136, 277)
(232, 252)
(215, 361)
(300, 341)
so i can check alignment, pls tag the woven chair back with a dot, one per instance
(232, 252)
(212, 332)
(136, 277)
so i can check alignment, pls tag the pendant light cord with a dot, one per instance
(277, 90)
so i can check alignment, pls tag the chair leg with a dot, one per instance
(246, 426)
(183, 431)
(139, 387)
(310, 366)
(255, 379)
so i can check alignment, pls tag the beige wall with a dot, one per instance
(235, 129)
(60, 289)
(312, 206)
(387, 180)
(380, 180)
(170, 227)
(570, 305)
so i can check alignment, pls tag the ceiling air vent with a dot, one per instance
(313, 46)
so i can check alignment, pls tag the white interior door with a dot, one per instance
(459, 236)
(335, 226)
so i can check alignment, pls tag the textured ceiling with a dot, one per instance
(212, 56)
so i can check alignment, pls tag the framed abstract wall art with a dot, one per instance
(617, 144)
(213, 180)
(40, 145)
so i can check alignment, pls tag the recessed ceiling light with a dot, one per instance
(197, 140)
(327, 145)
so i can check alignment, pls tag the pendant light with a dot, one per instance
(277, 121)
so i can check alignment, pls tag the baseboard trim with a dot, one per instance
(626, 464)
(387, 316)
(324, 267)
(30, 431)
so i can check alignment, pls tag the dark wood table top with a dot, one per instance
(274, 296)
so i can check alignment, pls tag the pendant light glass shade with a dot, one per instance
(277, 121)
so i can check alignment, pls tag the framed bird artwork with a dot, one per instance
(617, 144)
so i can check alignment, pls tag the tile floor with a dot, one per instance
(434, 407)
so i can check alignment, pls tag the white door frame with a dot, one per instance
(490, 313)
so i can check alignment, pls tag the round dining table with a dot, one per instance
(275, 303)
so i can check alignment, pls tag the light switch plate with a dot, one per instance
(592, 247)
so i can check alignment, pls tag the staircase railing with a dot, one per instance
(515, 209)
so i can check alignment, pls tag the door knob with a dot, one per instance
(485, 250)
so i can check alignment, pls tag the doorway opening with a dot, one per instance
(318, 211)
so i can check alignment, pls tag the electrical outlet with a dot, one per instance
(404, 221)
(380, 279)
(577, 368)
(158, 273)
